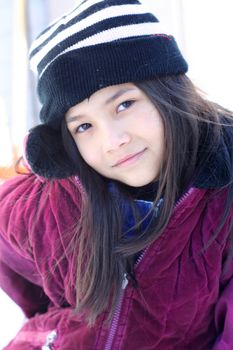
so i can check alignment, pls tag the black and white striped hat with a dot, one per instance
(98, 44)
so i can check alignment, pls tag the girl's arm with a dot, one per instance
(18, 280)
(224, 306)
(18, 274)
(224, 319)
(33, 216)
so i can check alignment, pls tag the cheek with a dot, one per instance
(152, 127)
(88, 152)
(156, 137)
(157, 132)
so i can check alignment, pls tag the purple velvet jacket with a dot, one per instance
(184, 298)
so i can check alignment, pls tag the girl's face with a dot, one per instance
(120, 134)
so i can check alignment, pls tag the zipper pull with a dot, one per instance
(132, 280)
(51, 337)
(125, 281)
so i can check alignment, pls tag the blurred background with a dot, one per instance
(203, 30)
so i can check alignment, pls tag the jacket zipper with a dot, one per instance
(116, 316)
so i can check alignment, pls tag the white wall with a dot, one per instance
(204, 31)
(209, 46)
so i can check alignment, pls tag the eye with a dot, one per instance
(82, 128)
(125, 105)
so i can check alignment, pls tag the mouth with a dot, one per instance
(129, 159)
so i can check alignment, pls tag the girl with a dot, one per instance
(119, 237)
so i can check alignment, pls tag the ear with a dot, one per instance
(45, 153)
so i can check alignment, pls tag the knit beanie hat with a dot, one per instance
(98, 44)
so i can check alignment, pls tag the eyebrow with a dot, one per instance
(112, 98)
(119, 93)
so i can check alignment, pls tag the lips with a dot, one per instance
(130, 158)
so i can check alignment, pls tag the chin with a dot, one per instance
(137, 182)
(140, 179)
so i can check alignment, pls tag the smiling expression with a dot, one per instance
(120, 134)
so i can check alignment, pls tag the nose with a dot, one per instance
(113, 137)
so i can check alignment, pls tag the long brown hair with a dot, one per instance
(104, 253)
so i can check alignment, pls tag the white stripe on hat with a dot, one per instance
(112, 34)
(62, 20)
(109, 12)
(123, 32)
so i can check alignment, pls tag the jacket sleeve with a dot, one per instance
(224, 311)
(224, 319)
(18, 275)
(14, 280)
(33, 217)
